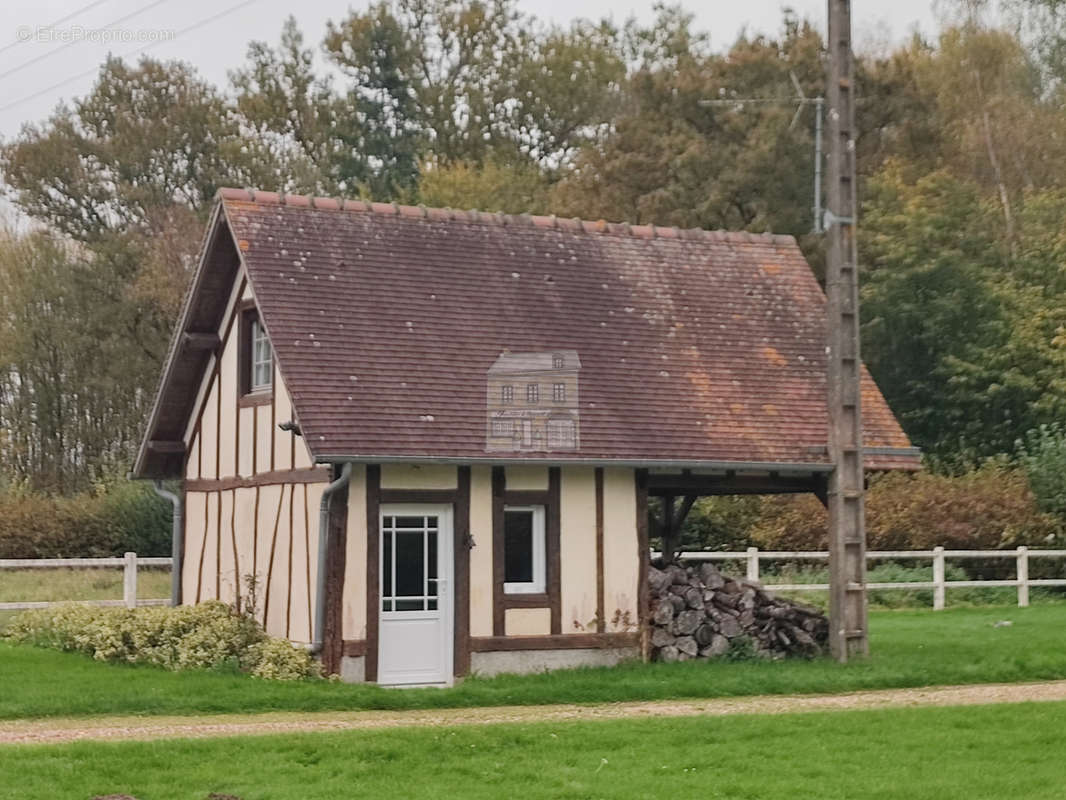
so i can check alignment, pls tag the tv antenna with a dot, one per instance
(802, 101)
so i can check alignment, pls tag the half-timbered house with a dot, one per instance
(421, 442)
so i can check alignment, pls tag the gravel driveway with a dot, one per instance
(53, 731)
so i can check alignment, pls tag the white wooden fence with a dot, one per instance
(129, 564)
(753, 556)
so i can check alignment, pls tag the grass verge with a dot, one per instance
(941, 754)
(26, 585)
(61, 585)
(910, 648)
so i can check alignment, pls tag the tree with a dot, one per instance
(470, 81)
(73, 376)
(670, 161)
(508, 188)
(297, 116)
(968, 355)
(144, 138)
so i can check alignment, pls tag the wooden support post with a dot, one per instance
(847, 528)
(938, 578)
(753, 563)
(667, 532)
(129, 580)
(1023, 577)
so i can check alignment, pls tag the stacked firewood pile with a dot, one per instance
(697, 612)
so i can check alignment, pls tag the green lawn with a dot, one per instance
(910, 648)
(935, 753)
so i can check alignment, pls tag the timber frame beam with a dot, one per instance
(665, 485)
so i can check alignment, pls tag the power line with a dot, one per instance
(59, 21)
(73, 42)
(182, 32)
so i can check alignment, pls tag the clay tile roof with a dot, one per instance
(694, 346)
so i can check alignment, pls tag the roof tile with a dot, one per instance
(694, 345)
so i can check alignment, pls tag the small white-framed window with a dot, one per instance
(507, 393)
(523, 550)
(559, 392)
(532, 392)
(262, 365)
(502, 427)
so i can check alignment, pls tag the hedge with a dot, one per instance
(105, 522)
(210, 635)
(989, 508)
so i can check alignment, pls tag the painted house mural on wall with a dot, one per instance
(335, 405)
(533, 402)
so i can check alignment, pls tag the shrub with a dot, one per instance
(1042, 454)
(987, 509)
(104, 522)
(206, 636)
(277, 659)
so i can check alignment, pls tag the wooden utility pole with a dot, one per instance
(847, 525)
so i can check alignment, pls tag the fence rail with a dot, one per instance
(938, 555)
(752, 557)
(129, 564)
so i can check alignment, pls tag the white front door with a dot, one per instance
(415, 634)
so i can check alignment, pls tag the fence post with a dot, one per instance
(129, 580)
(938, 578)
(1023, 576)
(753, 563)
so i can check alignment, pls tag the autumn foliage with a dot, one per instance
(986, 509)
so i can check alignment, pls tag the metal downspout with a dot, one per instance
(177, 540)
(323, 555)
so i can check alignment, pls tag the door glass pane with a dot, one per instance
(518, 546)
(409, 605)
(410, 564)
(386, 562)
(410, 522)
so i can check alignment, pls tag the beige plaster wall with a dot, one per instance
(527, 621)
(621, 566)
(243, 441)
(419, 476)
(270, 532)
(354, 593)
(481, 554)
(577, 549)
(526, 478)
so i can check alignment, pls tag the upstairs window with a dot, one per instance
(507, 394)
(523, 550)
(532, 393)
(559, 392)
(557, 361)
(262, 376)
(256, 358)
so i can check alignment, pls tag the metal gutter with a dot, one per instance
(177, 542)
(318, 635)
(748, 466)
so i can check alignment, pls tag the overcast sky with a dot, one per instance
(39, 68)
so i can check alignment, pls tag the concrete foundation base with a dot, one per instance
(526, 661)
(353, 669)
